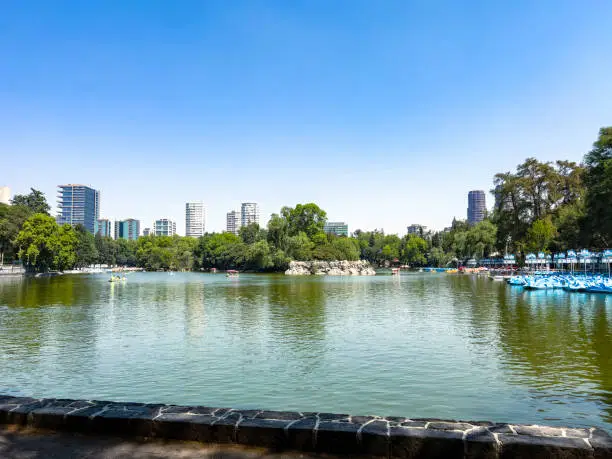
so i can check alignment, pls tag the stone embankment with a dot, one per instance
(338, 434)
(330, 268)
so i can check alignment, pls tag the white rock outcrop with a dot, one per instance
(330, 268)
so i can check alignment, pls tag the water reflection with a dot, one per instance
(383, 345)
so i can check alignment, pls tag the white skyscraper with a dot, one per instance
(249, 213)
(195, 219)
(232, 222)
(5, 195)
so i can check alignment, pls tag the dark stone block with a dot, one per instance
(269, 433)
(361, 419)
(374, 439)
(300, 434)
(182, 426)
(397, 419)
(601, 442)
(481, 444)
(337, 438)
(282, 415)
(248, 413)
(450, 426)
(81, 404)
(80, 420)
(333, 417)
(224, 429)
(538, 431)
(19, 414)
(118, 419)
(49, 417)
(500, 428)
(413, 424)
(413, 443)
(531, 447)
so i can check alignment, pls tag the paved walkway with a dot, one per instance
(36, 444)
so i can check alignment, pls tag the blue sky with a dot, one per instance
(385, 113)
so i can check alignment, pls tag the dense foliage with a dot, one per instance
(542, 206)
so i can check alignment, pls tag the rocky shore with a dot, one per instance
(330, 268)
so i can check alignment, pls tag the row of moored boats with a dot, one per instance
(568, 282)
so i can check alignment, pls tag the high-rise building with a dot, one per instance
(477, 206)
(195, 219)
(79, 205)
(232, 222)
(337, 228)
(104, 228)
(249, 213)
(164, 227)
(5, 195)
(416, 229)
(147, 232)
(127, 229)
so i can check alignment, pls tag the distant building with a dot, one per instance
(418, 230)
(232, 222)
(337, 228)
(5, 195)
(447, 229)
(249, 213)
(79, 205)
(477, 207)
(104, 228)
(164, 227)
(147, 232)
(195, 219)
(127, 229)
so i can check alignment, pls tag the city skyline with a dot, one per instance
(363, 110)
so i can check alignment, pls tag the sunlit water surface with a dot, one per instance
(423, 345)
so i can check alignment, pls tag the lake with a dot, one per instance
(421, 345)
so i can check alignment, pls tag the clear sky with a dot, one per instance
(385, 113)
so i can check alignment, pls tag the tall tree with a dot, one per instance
(86, 252)
(35, 201)
(598, 180)
(305, 218)
(44, 245)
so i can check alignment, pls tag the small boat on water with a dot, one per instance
(231, 273)
(117, 279)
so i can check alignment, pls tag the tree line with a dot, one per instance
(542, 206)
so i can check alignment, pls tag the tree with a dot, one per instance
(414, 249)
(86, 252)
(299, 247)
(251, 233)
(305, 218)
(540, 235)
(278, 231)
(11, 221)
(44, 245)
(598, 181)
(35, 201)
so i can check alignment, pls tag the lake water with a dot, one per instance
(423, 345)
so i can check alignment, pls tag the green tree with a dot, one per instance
(86, 252)
(305, 218)
(299, 247)
(44, 245)
(11, 221)
(278, 232)
(251, 233)
(540, 235)
(414, 250)
(598, 181)
(35, 201)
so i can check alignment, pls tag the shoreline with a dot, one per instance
(330, 433)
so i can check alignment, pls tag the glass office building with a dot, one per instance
(78, 205)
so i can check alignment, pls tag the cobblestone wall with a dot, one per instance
(340, 434)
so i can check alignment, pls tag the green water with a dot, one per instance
(424, 345)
